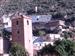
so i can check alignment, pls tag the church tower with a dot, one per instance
(22, 32)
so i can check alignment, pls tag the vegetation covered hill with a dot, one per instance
(46, 6)
(59, 9)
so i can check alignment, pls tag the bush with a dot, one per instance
(17, 50)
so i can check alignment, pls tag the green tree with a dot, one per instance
(41, 33)
(65, 47)
(17, 50)
(68, 34)
(48, 50)
(60, 48)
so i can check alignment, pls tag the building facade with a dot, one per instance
(22, 32)
(41, 18)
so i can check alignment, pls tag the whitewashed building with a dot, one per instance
(7, 21)
(41, 18)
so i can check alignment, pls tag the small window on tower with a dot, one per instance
(18, 32)
(29, 40)
(27, 22)
(0, 34)
(16, 22)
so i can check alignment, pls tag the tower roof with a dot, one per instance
(19, 15)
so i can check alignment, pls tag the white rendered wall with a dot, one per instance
(53, 36)
(38, 45)
(28, 36)
(61, 22)
(6, 19)
(1, 45)
(5, 54)
(41, 18)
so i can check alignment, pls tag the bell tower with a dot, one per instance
(22, 32)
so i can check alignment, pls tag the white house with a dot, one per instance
(7, 21)
(54, 37)
(39, 43)
(41, 18)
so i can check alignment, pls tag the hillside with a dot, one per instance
(59, 9)
(44, 6)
